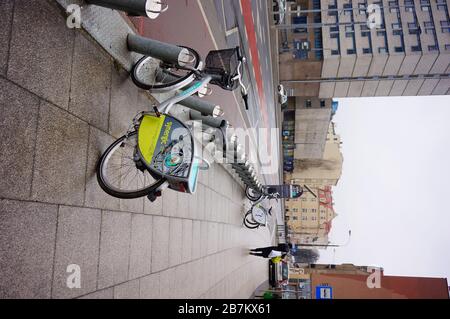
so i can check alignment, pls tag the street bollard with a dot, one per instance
(159, 50)
(245, 164)
(145, 8)
(194, 103)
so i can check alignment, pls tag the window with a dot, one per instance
(334, 29)
(314, 218)
(362, 8)
(294, 218)
(367, 50)
(396, 26)
(433, 48)
(348, 8)
(447, 47)
(332, 10)
(442, 7)
(382, 50)
(364, 30)
(304, 217)
(334, 52)
(304, 210)
(301, 22)
(334, 35)
(322, 103)
(308, 103)
(381, 33)
(398, 49)
(313, 210)
(425, 5)
(416, 48)
(393, 6)
(409, 5)
(445, 25)
(350, 51)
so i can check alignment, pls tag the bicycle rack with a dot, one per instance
(159, 50)
(235, 153)
(207, 120)
(146, 8)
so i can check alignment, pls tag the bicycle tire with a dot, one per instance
(170, 85)
(250, 197)
(249, 224)
(102, 181)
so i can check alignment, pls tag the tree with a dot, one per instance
(306, 256)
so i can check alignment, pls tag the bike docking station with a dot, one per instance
(145, 8)
(162, 147)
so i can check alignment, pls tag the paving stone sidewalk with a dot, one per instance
(62, 102)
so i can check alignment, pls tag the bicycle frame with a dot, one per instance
(165, 106)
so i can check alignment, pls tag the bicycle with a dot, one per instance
(273, 192)
(257, 215)
(159, 151)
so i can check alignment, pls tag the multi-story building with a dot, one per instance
(335, 53)
(342, 269)
(348, 281)
(354, 286)
(309, 218)
(319, 172)
(306, 123)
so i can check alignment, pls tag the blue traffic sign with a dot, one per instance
(324, 292)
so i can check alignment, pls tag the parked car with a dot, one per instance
(282, 94)
(278, 274)
(281, 7)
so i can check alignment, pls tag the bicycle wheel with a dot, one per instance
(156, 76)
(121, 174)
(252, 195)
(248, 222)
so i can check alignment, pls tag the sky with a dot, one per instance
(394, 192)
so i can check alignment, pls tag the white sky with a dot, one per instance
(394, 191)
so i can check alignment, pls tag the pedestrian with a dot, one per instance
(267, 252)
(282, 247)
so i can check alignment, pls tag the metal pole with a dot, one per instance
(134, 7)
(196, 104)
(163, 51)
(145, 8)
(196, 115)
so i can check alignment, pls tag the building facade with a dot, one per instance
(406, 54)
(333, 269)
(309, 218)
(354, 286)
(348, 281)
(319, 172)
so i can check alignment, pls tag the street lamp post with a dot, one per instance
(329, 245)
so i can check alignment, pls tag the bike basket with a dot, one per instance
(223, 63)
